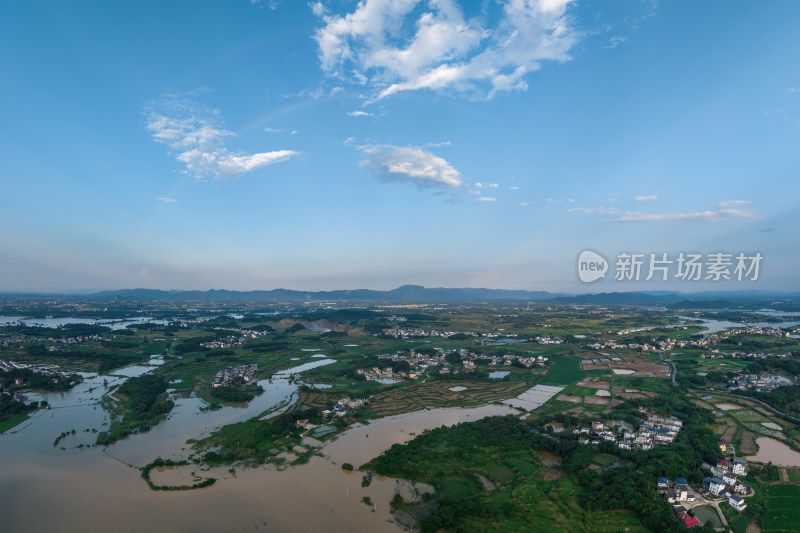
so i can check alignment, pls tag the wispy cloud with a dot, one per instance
(526, 204)
(513, 187)
(487, 199)
(194, 132)
(438, 145)
(480, 185)
(358, 114)
(281, 130)
(649, 198)
(164, 199)
(410, 164)
(731, 203)
(721, 214)
(445, 51)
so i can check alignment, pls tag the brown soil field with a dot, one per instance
(748, 443)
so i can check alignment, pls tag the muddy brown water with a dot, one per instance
(774, 450)
(92, 489)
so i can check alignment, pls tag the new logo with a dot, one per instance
(591, 266)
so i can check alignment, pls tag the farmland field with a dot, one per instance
(783, 512)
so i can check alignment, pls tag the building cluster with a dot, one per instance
(8, 366)
(230, 376)
(419, 362)
(378, 374)
(233, 341)
(759, 330)
(723, 482)
(760, 383)
(16, 396)
(548, 340)
(343, 407)
(654, 430)
(404, 333)
(675, 492)
(11, 340)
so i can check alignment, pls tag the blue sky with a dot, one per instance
(342, 144)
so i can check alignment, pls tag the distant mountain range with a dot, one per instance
(419, 294)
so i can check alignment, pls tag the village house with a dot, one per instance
(737, 502)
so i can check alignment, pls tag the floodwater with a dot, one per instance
(706, 514)
(498, 374)
(715, 326)
(549, 458)
(119, 323)
(362, 442)
(774, 450)
(93, 489)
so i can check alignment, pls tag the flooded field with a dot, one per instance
(773, 450)
(548, 458)
(84, 488)
(363, 442)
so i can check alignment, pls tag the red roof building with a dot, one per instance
(722, 462)
(691, 522)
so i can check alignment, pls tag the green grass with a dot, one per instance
(5, 425)
(563, 371)
(794, 475)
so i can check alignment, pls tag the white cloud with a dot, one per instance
(513, 188)
(412, 164)
(359, 114)
(731, 203)
(163, 199)
(281, 130)
(722, 214)
(649, 198)
(526, 204)
(486, 199)
(405, 45)
(487, 185)
(193, 132)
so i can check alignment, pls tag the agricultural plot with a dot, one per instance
(563, 371)
(782, 510)
(437, 394)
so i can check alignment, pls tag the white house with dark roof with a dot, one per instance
(737, 502)
(716, 486)
(740, 467)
